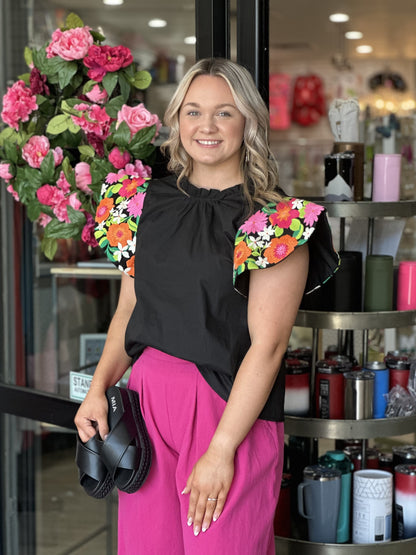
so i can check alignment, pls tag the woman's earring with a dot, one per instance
(247, 157)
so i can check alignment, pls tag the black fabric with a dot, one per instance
(186, 303)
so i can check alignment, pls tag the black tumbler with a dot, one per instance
(347, 285)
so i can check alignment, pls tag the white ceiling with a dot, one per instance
(299, 29)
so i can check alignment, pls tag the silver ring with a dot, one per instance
(212, 499)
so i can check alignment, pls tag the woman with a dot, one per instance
(207, 349)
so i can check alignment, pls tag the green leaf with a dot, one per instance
(28, 56)
(125, 86)
(114, 106)
(49, 247)
(73, 21)
(25, 77)
(122, 135)
(109, 82)
(143, 136)
(62, 230)
(8, 134)
(33, 211)
(11, 152)
(66, 167)
(58, 124)
(27, 182)
(86, 150)
(98, 37)
(47, 168)
(67, 73)
(76, 217)
(142, 79)
(142, 152)
(72, 126)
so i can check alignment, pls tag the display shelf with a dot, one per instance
(289, 546)
(370, 209)
(355, 320)
(346, 429)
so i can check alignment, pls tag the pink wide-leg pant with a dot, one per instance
(181, 412)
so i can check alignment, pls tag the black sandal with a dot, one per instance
(93, 474)
(126, 452)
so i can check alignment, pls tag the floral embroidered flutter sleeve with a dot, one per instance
(273, 232)
(117, 218)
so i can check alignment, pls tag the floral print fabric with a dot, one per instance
(117, 218)
(273, 232)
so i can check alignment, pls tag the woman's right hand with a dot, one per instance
(92, 415)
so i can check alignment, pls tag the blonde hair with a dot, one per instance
(257, 162)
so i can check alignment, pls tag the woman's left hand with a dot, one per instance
(208, 486)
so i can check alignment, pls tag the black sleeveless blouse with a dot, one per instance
(190, 252)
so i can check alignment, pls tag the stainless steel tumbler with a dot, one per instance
(359, 394)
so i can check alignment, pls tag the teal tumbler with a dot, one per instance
(339, 460)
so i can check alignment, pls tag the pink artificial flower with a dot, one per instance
(83, 177)
(58, 155)
(137, 117)
(5, 172)
(44, 219)
(60, 208)
(62, 183)
(138, 169)
(255, 223)
(18, 104)
(104, 59)
(87, 234)
(93, 119)
(36, 148)
(119, 159)
(97, 95)
(38, 82)
(14, 193)
(49, 195)
(72, 44)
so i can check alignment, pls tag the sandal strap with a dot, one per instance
(88, 459)
(117, 451)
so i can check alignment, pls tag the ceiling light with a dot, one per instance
(364, 49)
(353, 35)
(189, 40)
(113, 2)
(339, 17)
(157, 23)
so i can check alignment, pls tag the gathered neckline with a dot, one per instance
(195, 191)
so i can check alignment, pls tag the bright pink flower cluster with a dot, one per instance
(137, 170)
(5, 172)
(93, 119)
(18, 104)
(119, 159)
(36, 148)
(97, 95)
(83, 177)
(104, 59)
(137, 117)
(87, 234)
(72, 44)
(59, 197)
